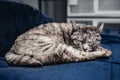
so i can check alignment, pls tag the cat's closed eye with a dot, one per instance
(98, 37)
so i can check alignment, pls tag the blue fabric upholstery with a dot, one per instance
(116, 56)
(92, 70)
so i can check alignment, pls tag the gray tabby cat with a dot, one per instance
(57, 43)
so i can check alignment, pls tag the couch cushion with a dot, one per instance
(90, 70)
(15, 19)
(116, 53)
(115, 72)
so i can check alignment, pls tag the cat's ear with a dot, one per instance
(73, 22)
(75, 25)
(101, 26)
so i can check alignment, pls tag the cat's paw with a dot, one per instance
(104, 52)
(99, 48)
(107, 53)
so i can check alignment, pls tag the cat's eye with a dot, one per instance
(98, 39)
(78, 40)
(97, 35)
(90, 42)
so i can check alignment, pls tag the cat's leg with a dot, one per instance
(100, 48)
(22, 60)
(95, 54)
(72, 54)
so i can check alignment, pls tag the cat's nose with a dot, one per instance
(85, 47)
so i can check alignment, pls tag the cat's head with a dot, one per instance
(87, 37)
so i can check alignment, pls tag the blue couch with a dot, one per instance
(17, 18)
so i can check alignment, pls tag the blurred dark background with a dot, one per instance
(56, 9)
(81, 11)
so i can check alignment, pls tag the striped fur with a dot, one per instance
(56, 43)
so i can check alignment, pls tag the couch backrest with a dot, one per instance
(15, 19)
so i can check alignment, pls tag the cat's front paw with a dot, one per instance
(107, 53)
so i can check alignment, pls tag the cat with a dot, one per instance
(52, 43)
